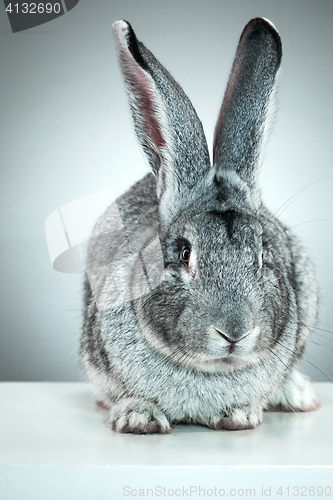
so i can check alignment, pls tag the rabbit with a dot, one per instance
(198, 302)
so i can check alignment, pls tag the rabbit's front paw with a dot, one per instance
(138, 417)
(295, 395)
(238, 419)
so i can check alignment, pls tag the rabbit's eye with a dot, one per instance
(185, 254)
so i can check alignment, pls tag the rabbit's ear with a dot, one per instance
(165, 121)
(248, 102)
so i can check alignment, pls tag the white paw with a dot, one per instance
(138, 417)
(238, 419)
(295, 395)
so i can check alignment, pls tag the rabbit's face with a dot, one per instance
(216, 307)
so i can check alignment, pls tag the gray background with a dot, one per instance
(66, 133)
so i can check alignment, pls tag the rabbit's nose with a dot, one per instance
(231, 341)
(234, 320)
(228, 339)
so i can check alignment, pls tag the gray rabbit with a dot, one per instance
(198, 301)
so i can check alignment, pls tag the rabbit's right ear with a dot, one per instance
(165, 122)
(244, 118)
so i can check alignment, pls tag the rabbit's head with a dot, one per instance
(219, 305)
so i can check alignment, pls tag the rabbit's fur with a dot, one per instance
(198, 301)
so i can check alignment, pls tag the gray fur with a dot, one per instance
(217, 340)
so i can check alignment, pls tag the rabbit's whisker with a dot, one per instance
(291, 200)
(295, 225)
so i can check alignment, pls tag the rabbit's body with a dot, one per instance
(199, 301)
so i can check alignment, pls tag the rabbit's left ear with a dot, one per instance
(247, 106)
(167, 126)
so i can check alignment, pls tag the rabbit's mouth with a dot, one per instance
(224, 353)
(232, 347)
(229, 362)
(232, 343)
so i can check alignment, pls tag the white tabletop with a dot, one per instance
(59, 424)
